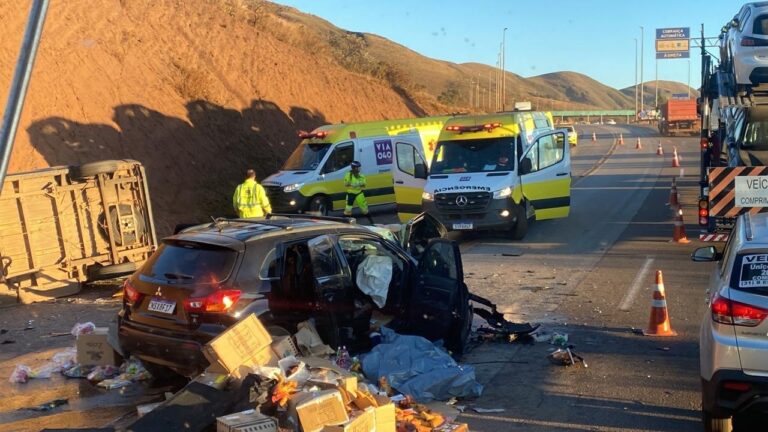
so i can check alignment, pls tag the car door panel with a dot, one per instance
(409, 177)
(548, 186)
(436, 290)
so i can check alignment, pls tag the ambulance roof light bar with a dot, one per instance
(311, 135)
(474, 128)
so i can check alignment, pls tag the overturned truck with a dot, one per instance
(61, 226)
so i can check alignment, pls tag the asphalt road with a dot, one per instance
(588, 276)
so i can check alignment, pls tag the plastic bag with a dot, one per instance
(83, 328)
(100, 373)
(413, 365)
(78, 371)
(20, 374)
(114, 383)
(133, 370)
(66, 359)
(294, 369)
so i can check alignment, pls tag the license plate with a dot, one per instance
(162, 306)
(463, 226)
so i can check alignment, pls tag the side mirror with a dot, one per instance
(735, 22)
(420, 171)
(525, 166)
(705, 254)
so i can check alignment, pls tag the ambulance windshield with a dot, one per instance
(479, 155)
(306, 157)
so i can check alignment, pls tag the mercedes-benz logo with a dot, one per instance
(461, 200)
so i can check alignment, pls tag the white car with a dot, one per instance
(746, 44)
(610, 122)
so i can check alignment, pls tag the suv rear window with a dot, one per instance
(750, 273)
(190, 262)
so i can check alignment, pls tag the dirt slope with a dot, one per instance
(197, 91)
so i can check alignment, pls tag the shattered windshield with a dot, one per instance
(480, 155)
(306, 157)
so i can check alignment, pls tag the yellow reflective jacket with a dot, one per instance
(354, 184)
(250, 200)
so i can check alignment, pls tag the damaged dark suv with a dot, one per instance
(287, 270)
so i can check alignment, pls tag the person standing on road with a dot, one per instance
(354, 181)
(250, 199)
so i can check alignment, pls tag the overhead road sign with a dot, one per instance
(673, 43)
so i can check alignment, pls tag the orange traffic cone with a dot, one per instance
(674, 202)
(594, 137)
(638, 146)
(659, 324)
(679, 233)
(675, 159)
(621, 139)
(659, 150)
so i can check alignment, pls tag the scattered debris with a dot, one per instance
(488, 410)
(83, 328)
(29, 325)
(512, 254)
(49, 405)
(7, 341)
(665, 348)
(3, 331)
(566, 357)
(559, 339)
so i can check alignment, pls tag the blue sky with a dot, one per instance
(593, 37)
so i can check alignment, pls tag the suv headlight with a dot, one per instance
(507, 191)
(426, 196)
(293, 187)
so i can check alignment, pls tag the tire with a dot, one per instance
(712, 424)
(521, 223)
(97, 272)
(320, 205)
(91, 169)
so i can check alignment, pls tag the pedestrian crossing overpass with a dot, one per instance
(592, 115)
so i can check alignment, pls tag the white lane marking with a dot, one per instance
(682, 172)
(629, 297)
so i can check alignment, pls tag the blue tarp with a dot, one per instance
(415, 366)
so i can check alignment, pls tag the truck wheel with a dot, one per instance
(130, 237)
(521, 223)
(320, 205)
(97, 272)
(91, 169)
(712, 424)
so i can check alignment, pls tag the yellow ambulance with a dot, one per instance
(489, 172)
(311, 179)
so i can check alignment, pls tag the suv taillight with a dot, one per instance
(129, 293)
(750, 41)
(726, 311)
(216, 302)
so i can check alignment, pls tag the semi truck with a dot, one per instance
(62, 226)
(679, 117)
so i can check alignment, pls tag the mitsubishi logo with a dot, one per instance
(461, 200)
(158, 293)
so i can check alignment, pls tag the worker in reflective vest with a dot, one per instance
(250, 199)
(354, 181)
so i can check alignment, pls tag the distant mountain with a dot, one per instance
(666, 90)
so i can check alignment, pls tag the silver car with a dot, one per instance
(734, 334)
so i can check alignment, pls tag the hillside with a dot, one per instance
(200, 91)
(666, 90)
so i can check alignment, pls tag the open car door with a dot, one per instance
(418, 231)
(439, 307)
(409, 176)
(545, 172)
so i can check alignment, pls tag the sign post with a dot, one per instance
(672, 43)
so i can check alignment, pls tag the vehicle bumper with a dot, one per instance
(722, 402)
(286, 202)
(488, 219)
(750, 69)
(184, 355)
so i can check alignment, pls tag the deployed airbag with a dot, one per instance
(373, 277)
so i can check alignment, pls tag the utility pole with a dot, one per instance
(470, 92)
(489, 90)
(636, 111)
(689, 78)
(642, 86)
(656, 84)
(503, 69)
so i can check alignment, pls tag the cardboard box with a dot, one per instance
(246, 421)
(94, 349)
(242, 343)
(361, 421)
(316, 410)
(384, 414)
(283, 347)
(322, 379)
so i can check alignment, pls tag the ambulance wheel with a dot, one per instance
(521, 223)
(320, 205)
